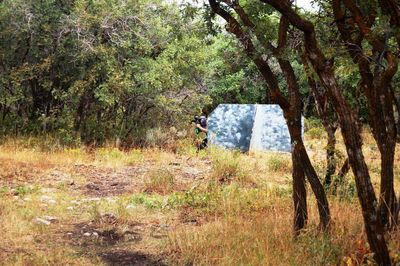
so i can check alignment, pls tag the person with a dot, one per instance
(201, 126)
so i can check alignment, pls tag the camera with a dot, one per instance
(196, 119)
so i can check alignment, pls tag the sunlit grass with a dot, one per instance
(238, 212)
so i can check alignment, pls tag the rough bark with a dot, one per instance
(328, 118)
(397, 104)
(344, 169)
(350, 131)
(376, 86)
(299, 190)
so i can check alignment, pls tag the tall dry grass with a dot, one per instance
(239, 214)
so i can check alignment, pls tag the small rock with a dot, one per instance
(27, 199)
(111, 200)
(114, 184)
(47, 190)
(48, 199)
(45, 198)
(86, 234)
(95, 234)
(76, 202)
(70, 208)
(164, 226)
(130, 206)
(41, 221)
(50, 218)
(93, 199)
(92, 186)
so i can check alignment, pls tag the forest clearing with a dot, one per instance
(200, 132)
(155, 207)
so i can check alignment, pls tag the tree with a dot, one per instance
(349, 127)
(377, 66)
(99, 70)
(291, 106)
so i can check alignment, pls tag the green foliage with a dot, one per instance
(24, 190)
(99, 70)
(316, 132)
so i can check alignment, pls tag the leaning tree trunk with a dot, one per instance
(301, 155)
(376, 85)
(350, 132)
(329, 120)
(299, 190)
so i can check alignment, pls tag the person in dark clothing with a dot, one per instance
(201, 126)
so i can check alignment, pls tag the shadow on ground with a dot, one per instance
(124, 257)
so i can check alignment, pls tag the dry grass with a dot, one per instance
(238, 211)
(160, 180)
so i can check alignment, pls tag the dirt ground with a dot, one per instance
(107, 238)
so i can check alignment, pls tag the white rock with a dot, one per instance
(51, 201)
(86, 234)
(95, 234)
(130, 206)
(76, 202)
(50, 218)
(41, 221)
(46, 198)
(111, 200)
(70, 208)
(93, 199)
(47, 190)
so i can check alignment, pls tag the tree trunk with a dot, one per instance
(329, 120)
(299, 192)
(330, 156)
(350, 132)
(376, 85)
(387, 201)
(397, 104)
(318, 189)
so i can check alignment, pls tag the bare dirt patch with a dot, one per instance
(125, 257)
(116, 242)
(103, 181)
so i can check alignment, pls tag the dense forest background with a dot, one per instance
(90, 71)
